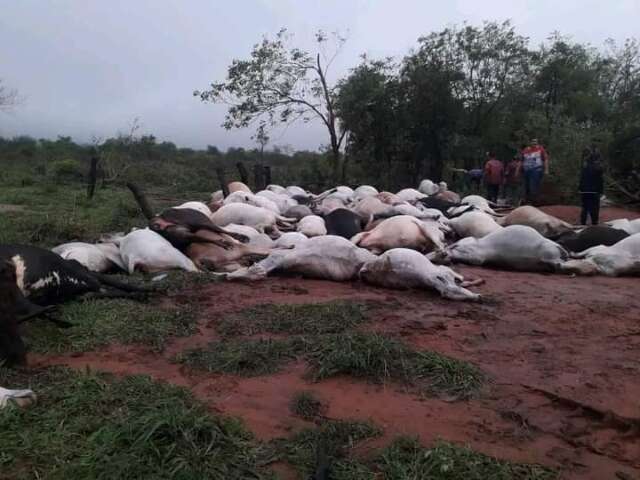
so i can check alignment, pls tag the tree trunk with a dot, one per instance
(223, 183)
(141, 199)
(335, 156)
(244, 175)
(258, 177)
(345, 165)
(93, 174)
(267, 175)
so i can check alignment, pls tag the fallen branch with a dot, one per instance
(623, 190)
(141, 199)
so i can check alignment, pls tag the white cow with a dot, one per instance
(277, 189)
(259, 218)
(147, 251)
(547, 225)
(290, 240)
(100, 257)
(368, 206)
(283, 201)
(199, 206)
(427, 187)
(293, 191)
(403, 268)
(517, 247)
(410, 195)
(256, 238)
(251, 199)
(21, 398)
(312, 226)
(365, 191)
(329, 257)
(630, 226)
(622, 258)
(402, 231)
(238, 187)
(474, 224)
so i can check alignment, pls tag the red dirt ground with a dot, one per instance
(561, 352)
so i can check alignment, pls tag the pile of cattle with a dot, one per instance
(398, 240)
(394, 240)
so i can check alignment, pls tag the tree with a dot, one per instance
(567, 81)
(367, 105)
(280, 84)
(9, 98)
(491, 61)
(261, 138)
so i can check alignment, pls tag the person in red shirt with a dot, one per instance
(535, 164)
(493, 176)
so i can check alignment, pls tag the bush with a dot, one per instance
(68, 169)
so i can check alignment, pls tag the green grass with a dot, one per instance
(303, 319)
(336, 438)
(97, 323)
(368, 356)
(406, 459)
(88, 426)
(56, 214)
(306, 405)
(379, 358)
(247, 358)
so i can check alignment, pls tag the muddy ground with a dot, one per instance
(561, 353)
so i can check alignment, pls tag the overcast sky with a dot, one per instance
(87, 67)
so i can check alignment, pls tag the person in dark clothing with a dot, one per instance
(591, 185)
(475, 178)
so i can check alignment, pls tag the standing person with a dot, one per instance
(591, 184)
(535, 165)
(475, 178)
(493, 176)
(513, 181)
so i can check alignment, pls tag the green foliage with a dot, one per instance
(97, 323)
(308, 318)
(96, 426)
(67, 170)
(280, 84)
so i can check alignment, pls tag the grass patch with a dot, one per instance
(304, 319)
(334, 439)
(58, 214)
(406, 459)
(97, 323)
(362, 355)
(306, 405)
(379, 358)
(96, 426)
(248, 358)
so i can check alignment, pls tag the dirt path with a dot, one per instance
(562, 353)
